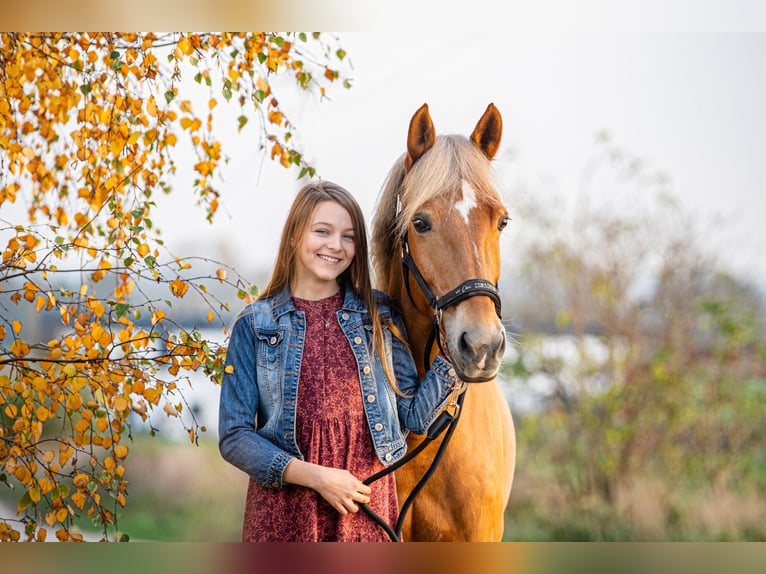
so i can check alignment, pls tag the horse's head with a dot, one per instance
(448, 216)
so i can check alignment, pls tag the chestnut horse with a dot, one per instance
(440, 198)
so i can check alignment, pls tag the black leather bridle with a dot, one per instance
(468, 288)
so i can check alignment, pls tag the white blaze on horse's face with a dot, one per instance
(467, 203)
(465, 206)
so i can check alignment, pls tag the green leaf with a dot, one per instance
(86, 89)
(242, 121)
(121, 309)
(24, 501)
(259, 95)
(341, 53)
(169, 95)
(302, 37)
(262, 57)
(114, 55)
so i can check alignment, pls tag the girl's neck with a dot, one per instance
(314, 292)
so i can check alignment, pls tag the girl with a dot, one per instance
(320, 389)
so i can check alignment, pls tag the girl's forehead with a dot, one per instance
(331, 212)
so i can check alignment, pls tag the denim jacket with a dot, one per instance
(259, 391)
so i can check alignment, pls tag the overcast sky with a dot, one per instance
(690, 105)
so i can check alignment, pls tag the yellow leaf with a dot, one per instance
(210, 316)
(79, 499)
(120, 451)
(120, 403)
(229, 370)
(42, 414)
(143, 249)
(185, 45)
(16, 326)
(178, 287)
(134, 137)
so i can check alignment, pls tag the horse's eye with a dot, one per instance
(503, 222)
(421, 224)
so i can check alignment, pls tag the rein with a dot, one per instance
(445, 420)
(468, 288)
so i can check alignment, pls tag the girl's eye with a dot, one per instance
(349, 237)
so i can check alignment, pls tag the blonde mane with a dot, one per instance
(439, 173)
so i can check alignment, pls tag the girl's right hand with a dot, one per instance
(338, 487)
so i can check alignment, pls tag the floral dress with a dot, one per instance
(331, 430)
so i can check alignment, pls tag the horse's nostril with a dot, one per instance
(463, 345)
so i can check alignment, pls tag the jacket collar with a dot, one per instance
(282, 303)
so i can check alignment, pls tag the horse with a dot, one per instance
(439, 211)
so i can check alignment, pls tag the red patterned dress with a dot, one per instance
(332, 430)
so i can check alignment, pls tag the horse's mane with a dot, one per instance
(439, 172)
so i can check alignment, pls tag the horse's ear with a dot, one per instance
(420, 138)
(488, 131)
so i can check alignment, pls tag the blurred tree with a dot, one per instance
(654, 359)
(88, 125)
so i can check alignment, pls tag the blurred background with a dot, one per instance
(633, 278)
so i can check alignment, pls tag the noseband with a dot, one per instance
(469, 288)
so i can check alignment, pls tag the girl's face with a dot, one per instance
(325, 250)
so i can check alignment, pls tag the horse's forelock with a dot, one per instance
(440, 172)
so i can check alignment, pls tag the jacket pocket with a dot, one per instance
(269, 348)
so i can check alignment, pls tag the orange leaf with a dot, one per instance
(221, 274)
(16, 326)
(178, 287)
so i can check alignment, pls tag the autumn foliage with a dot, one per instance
(88, 128)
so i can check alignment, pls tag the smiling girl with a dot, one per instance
(320, 389)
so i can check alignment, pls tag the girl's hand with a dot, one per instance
(339, 487)
(342, 489)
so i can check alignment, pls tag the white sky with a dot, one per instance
(689, 104)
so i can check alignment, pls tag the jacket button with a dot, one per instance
(272, 341)
(358, 340)
(366, 370)
(388, 457)
(345, 316)
(275, 484)
(451, 372)
(370, 398)
(378, 427)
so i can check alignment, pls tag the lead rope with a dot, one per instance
(445, 420)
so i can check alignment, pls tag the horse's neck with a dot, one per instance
(418, 325)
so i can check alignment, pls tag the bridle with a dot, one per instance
(468, 288)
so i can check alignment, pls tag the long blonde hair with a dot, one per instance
(356, 275)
